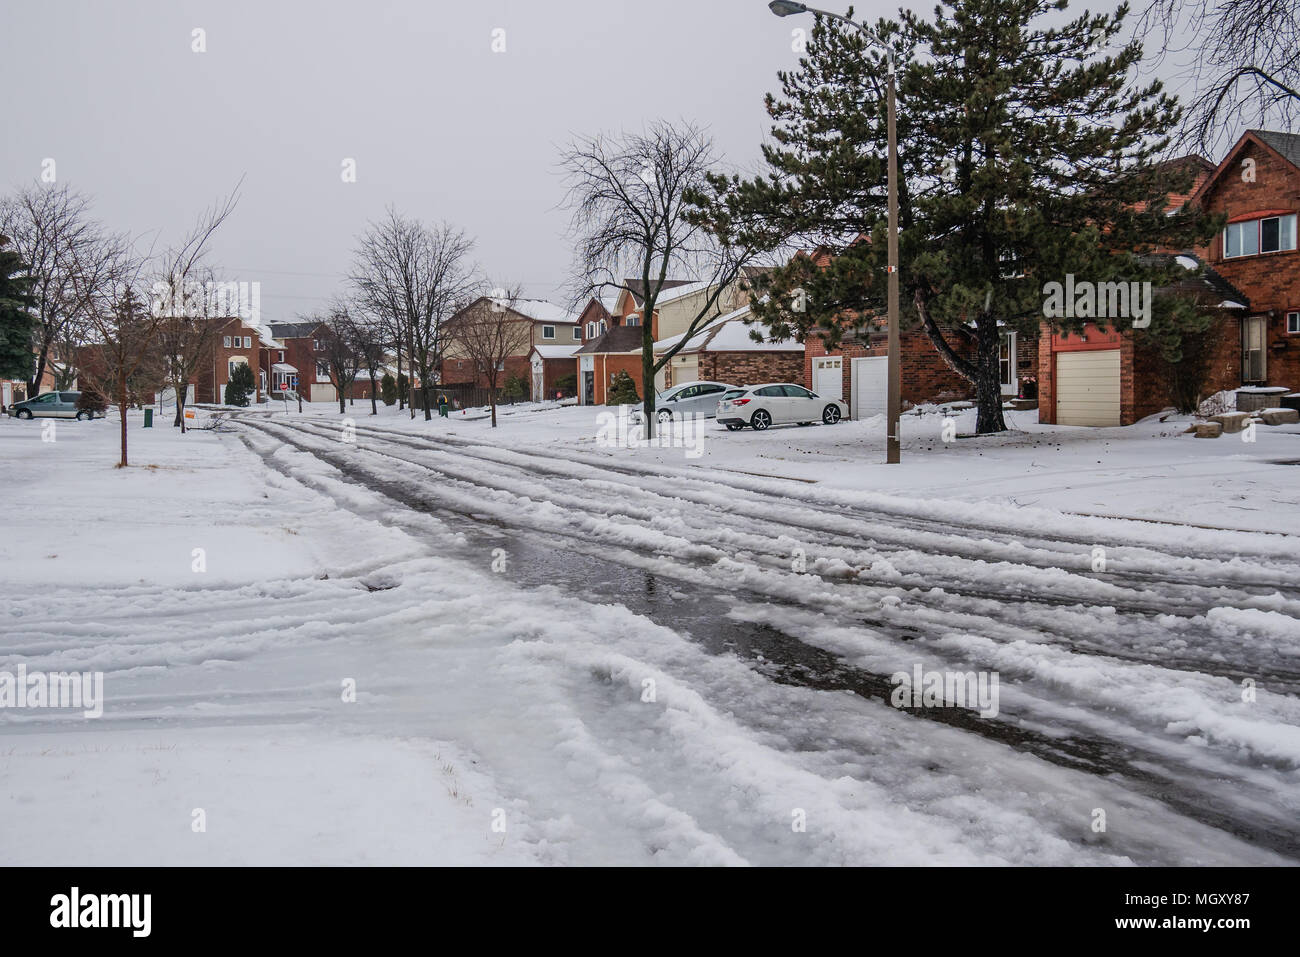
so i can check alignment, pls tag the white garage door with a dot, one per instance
(321, 392)
(870, 379)
(828, 376)
(1087, 388)
(686, 369)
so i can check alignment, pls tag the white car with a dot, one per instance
(777, 403)
(687, 398)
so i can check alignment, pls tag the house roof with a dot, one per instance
(1208, 287)
(637, 288)
(728, 333)
(541, 310)
(616, 339)
(556, 352)
(1288, 144)
(294, 330)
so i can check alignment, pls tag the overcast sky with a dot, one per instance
(438, 124)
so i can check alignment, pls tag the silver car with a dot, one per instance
(688, 398)
(59, 405)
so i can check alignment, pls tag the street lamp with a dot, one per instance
(786, 8)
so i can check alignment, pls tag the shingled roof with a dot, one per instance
(1288, 144)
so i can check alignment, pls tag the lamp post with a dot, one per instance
(786, 8)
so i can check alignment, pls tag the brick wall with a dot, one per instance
(752, 367)
(1271, 281)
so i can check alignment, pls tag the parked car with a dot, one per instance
(688, 398)
(59, 405)
(777, 403)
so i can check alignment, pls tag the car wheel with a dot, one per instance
(831, 414)
(665, 417)
(24, 413)
(735, 426)
(761, 420)
(83, 415)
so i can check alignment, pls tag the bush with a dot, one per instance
(622, 391)
(388, 389)
(240, 386)
(92, 400)
(1184, 339)
(516, 388)
(566, 385)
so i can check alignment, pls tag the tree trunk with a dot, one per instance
(121, 408)
(424, 397)
(988, 378)
(401, 393)
(342, 398)
(648, 370)
(374, 409)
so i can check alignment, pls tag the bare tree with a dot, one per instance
(110, 289)
(413, 277)
(187, 333)
(367, 340)
(1242, 59)
(637, 211)
(52, 229)
(336, 349)
(488, 333)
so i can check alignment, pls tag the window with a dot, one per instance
(1254, 236)
(632, 320)
(577, 333)
(1007, 364)
(690, 392)
(591, 330)
(234, 363)
(281, 355)
(225, 342)
(1293, 323)
(322, 372)
(709, 389)
(315, 345)
(797, 392)
(603, 327)
(548, 332)
(248, 342)
(771, 391)
(501, 366)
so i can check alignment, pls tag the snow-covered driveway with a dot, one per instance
(636, 663)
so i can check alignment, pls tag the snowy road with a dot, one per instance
(1122, 687)
(675, 665)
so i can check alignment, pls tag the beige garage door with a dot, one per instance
(1087, 388)
(686, 369)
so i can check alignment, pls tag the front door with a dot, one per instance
(589, 388)
(1254, 365)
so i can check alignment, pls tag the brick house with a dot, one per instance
(296, 362)
(1252, 280)
(724, 351)
(542, 323)
(235, 342)
(550, 367)
(617, 349)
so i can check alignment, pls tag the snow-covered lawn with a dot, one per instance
(568, 653)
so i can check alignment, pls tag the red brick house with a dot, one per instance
(617, 349)
(1107, 377)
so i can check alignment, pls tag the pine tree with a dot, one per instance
(622, 391)
(1025, 153)
(17, 323)
(388, 389)
(240, 386)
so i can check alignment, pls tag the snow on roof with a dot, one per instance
(540, 310)
(1187, 262)
(557, 352)
(1229, 304)
(727, 333)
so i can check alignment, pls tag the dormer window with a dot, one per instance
(1268, 234)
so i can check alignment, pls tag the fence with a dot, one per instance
(458, 396)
